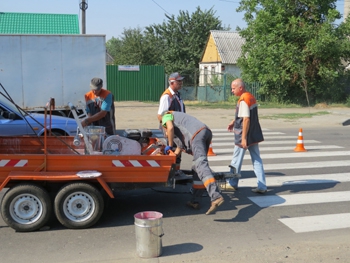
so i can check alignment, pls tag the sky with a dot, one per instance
(111, 17)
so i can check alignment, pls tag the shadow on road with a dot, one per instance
(178, 249)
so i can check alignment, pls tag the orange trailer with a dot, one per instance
(35, 169)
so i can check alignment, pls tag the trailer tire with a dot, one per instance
(26, 207)
(78, 205)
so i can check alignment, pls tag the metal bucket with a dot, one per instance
(96, 135)
(149, 232)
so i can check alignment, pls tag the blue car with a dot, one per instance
(14, 121)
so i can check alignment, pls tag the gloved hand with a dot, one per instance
(189, 151)
(167, 149)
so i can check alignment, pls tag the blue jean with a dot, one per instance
(237, 160)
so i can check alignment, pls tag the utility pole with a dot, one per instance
(83, 6)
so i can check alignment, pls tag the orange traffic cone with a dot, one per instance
(300, 142)
(210, 151)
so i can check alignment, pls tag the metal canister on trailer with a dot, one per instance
(96, 136)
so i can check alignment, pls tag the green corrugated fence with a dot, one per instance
(147, 83)
(136, 83)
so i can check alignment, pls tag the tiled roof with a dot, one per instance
(229, 45)
(30, 23)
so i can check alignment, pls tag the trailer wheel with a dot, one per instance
(78, 205)
(26, 207)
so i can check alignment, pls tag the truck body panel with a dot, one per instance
(34, 68)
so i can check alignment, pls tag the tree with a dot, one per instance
(293, 47)
(134, 48)
(129, 49)
(182, 39)
(114, 46)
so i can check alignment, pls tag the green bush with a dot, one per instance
(347, 103)
(233, 99)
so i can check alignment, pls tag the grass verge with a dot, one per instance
(293, 116)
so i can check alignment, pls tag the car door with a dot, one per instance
(12, 124)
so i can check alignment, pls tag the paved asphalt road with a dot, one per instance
(304, 217)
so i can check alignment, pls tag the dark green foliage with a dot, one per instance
(177, 43)
(134, 48)
(114, 46)
(184, 38)
(295, 50)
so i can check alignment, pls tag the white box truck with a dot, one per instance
(35, 68)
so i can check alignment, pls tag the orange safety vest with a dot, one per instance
(175, 101)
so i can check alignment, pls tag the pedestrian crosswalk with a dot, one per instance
(278, 155)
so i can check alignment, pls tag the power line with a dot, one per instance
(161, 7)
(229, 1)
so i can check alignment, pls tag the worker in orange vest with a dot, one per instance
(171, 100)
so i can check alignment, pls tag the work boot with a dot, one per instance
(214, 205)
(193, 204)
(228, 186)
(259, 191)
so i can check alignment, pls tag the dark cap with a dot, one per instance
(96, 83)
(175, 76)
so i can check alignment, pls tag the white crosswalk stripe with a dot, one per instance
(276, 181)
(217, 135)
(285, 166)
(286, 155)
(317, 223)
(279, 146)
(225, 130)
(297, 199)
(218, 139)
(231, 143)
(282, 148)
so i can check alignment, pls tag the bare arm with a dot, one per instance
(164, 104)
(170, 135)
(245, 129)
(170, 132)
(230, 126)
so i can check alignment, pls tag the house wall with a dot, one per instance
(232, 70)
(211, 73)
(346, 9)
(211, 53)
(207, 73)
